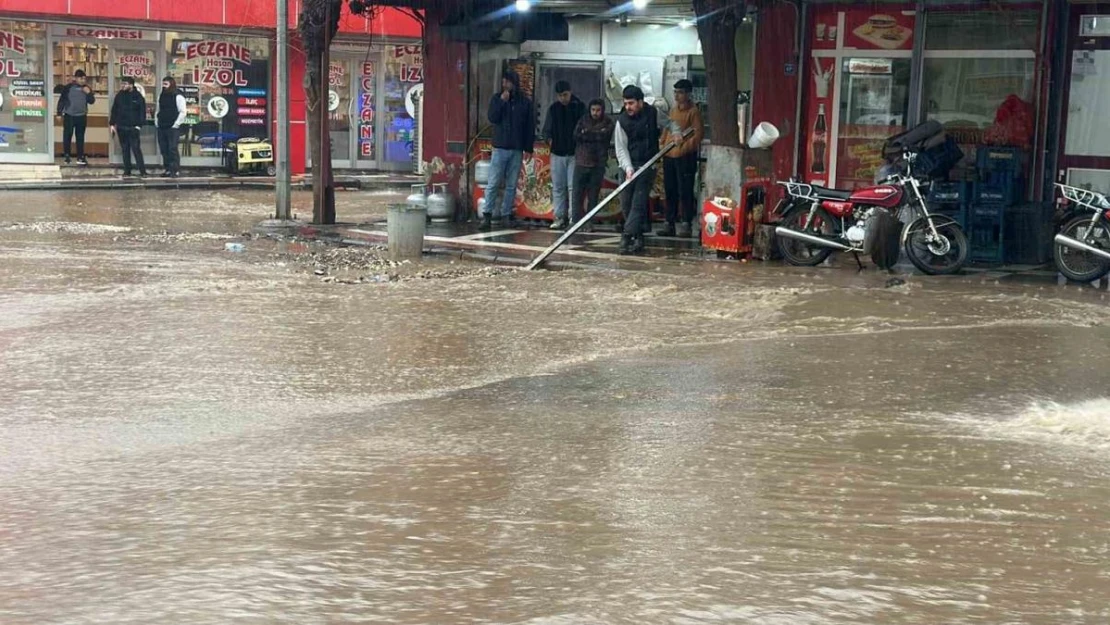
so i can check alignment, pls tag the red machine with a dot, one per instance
(729, 228)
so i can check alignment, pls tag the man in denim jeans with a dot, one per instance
(514, 133)
(558, 130)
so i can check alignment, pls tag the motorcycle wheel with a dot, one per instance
(1078, 265)
(883, 238)
(801, 253)
(943, 257)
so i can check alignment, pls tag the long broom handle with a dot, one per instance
(600, 205)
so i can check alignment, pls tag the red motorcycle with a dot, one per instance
(817, 220)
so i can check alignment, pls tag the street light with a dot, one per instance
(523, 5)
(640, 4)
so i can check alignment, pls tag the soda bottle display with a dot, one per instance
(820, 143)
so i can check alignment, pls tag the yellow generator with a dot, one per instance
(249, 156)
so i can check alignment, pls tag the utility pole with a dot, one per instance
(282, 182)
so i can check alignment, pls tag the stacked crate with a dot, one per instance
(999, 185)
(950, 199)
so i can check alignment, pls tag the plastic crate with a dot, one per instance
(986, 228)
(1003, 190)
(998, 159)
(947, 193)
(1028, 232)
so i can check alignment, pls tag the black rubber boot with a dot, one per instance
(487, 223)
(626, 245)
(638, 245)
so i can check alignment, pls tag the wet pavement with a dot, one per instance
(195, 436)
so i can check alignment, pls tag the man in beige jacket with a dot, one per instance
(680, 165)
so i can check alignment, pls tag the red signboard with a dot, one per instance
(251, 102)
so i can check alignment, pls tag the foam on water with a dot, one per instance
(1085, 423)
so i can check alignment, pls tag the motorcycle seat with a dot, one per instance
(831, 194)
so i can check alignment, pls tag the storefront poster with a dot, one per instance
(527, 73)
(819, 120)
(533, 195)
(868, 29)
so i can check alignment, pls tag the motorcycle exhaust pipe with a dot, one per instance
(1076, 244)
(809, 238)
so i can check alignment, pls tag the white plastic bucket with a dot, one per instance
(764, 135)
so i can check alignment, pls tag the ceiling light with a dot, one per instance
(640, 4)
(523, 5)
(684, 24)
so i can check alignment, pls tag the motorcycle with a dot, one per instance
(1082, 246)
(817, 220)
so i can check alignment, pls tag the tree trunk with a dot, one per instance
(319, 21)
(717, 23)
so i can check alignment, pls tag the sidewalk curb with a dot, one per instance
(354, 184)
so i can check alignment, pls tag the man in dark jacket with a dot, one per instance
(592, 137)
(171, 114)
(514, 132)
(126, 122)
(73, 106)
(636, 137)
(558, 130)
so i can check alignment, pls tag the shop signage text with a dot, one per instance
(337, 75)
(219, 50)
(27, 88)
(251, 102)
(251, 111)
(14, 43)
(136, 66)
(90, 32)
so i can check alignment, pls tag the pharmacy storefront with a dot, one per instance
(225, 79)
(372, 106)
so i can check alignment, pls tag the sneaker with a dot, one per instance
(638, 245)
(685, 230)
(667, 231)
(626, 245)
(82, 161)
(68, 162)
(487, 223)
(560, 224)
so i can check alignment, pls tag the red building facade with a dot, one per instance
(221, 52)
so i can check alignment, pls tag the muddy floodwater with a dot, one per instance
(194, 436)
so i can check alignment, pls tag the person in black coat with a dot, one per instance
(514, 135)
(126, 122)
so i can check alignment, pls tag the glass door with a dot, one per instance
(142, 65)
(91, 58)
(352, 104)
(874, 99)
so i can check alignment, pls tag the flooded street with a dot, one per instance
(193, 436)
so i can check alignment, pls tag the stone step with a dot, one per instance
(21, 172)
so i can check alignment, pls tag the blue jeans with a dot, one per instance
(504, 169)
(562, 184)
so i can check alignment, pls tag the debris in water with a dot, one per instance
(235, 247)
(893, 282)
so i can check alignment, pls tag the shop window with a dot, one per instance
(978, 76)
(968, 96)
(874, 98)
(982, 29)
(404, 72)
(24, 103)
(226, 83)
(584, 79)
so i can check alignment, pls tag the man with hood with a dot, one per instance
(592, 137)
(73, 106)
(126, 122)
(680, 165)
(171, 114)
(514, 134)
(558, 130)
